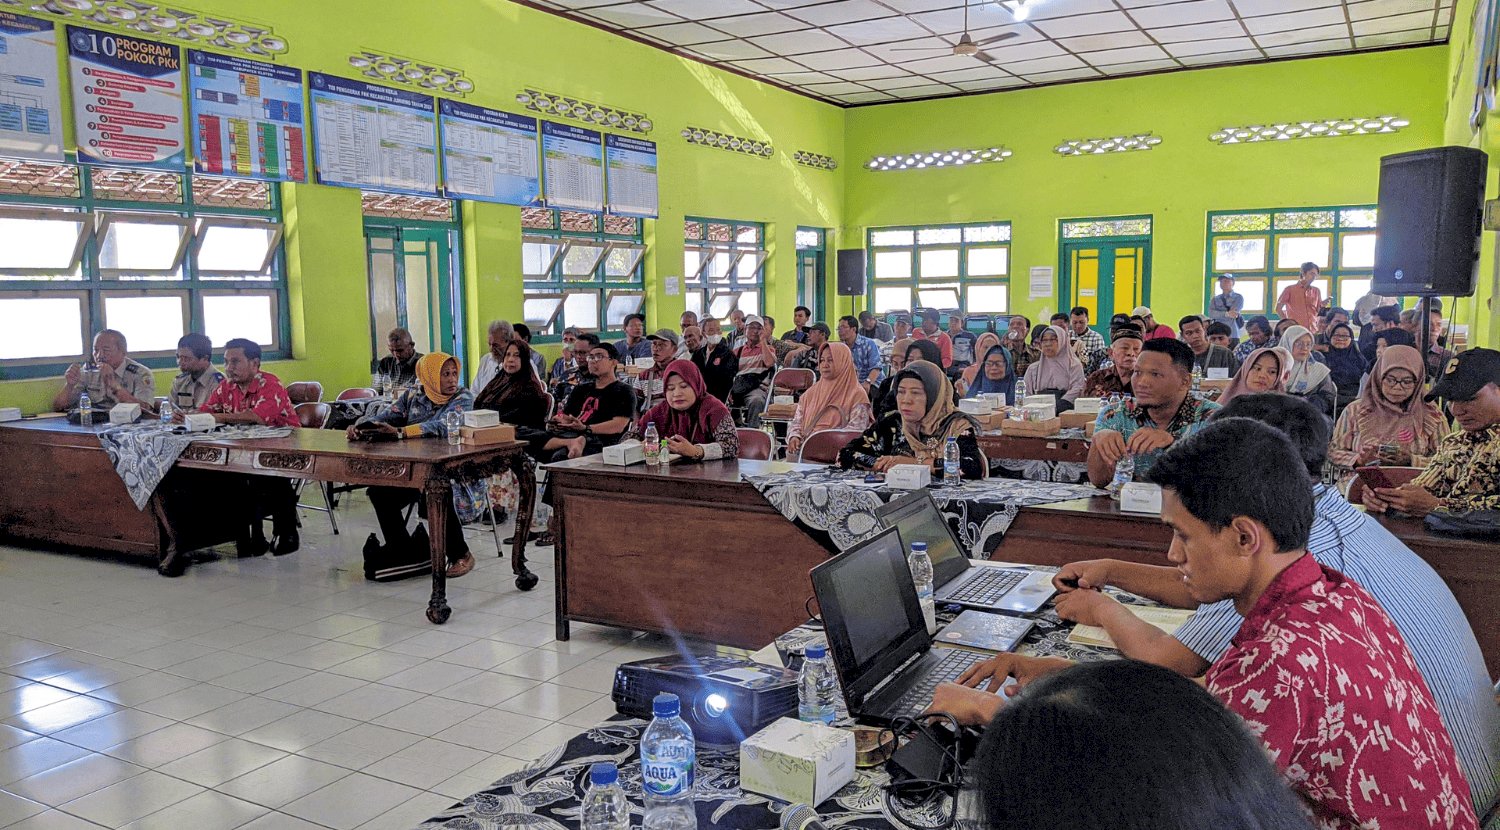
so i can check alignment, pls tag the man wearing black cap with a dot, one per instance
(874, 329)
(714, 360)
(1464, 473)
(596, 414)
(648, 383)
(807, 357)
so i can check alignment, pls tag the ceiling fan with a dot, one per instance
(967, 45)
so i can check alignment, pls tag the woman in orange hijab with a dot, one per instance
(836, 401)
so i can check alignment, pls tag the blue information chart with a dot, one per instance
(373, 137)
(489, 155)
(630, 172)
(30, 97)
(573, 163)
(127, 100)
(247, 118)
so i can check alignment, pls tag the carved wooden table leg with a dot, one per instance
(525, 473)
(173, 559)
(439, 494)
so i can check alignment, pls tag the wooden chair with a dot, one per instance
(755, 444)
(355, 392)
(315, 415)
(305, 391)
(822, 447)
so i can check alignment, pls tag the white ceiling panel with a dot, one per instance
(859, 51)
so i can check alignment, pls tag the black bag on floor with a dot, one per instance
(383, 565)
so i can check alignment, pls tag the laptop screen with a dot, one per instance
(918, 519)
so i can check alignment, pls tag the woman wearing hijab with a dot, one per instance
(1389, 412)
(696, 425)
(884, 396)
(518, 397)
(836, 401)
(1345, 363)
(925, 418)
(1264, 370)
(996, 375)
(418, 414)
(966, 378)
(1307, 378)
(1059, 372)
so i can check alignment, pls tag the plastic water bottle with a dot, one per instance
(921, 576)
(652, 442)
(1124, 474)
(815, 686)
(1197, 378)
(453, 421)
(605, 807)
(166, 410)
(1015, 412)
(85, 409)
(952, 472)
(668, 757)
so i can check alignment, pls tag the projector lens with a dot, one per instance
(715, 704)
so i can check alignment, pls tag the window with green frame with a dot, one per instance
(580, 269)
(940, 266)
(1264, 251)
(723, 266)
(152, 254)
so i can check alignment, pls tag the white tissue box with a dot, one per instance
(975, 406)
(1088, 406)
(1039, 399)
(797, 762)
(644, 362)
(1040, 411)
(200, 421)
(1140, 497)
(1221, 373)
(996, 399)
(625, 453)
(125, 413)
(908, 476)
(481, 418)
(10, 413)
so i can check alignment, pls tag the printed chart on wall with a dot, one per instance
(30, 100)
(247, 118)
(630, 164)
(127, 100)
(489, 155)
(573, 163)
(373, 137)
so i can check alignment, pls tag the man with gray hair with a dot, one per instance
(114, 378)
(401, 364)
(501, 333)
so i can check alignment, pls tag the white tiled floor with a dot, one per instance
(279, 693)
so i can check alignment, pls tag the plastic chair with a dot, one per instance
(356, 392)
(823, 446)
(315, 415)
(755, 444)
(305, 391)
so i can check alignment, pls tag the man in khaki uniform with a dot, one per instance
(119, 379)
(199, 378)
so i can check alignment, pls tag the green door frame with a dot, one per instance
(816, 258)
(448, 304)
(1103, 244)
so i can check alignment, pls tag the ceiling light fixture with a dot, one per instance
(939, 158)
(597, 115)
(1020, 10)
(1112, 144)
(725, 141)
(1309, 129)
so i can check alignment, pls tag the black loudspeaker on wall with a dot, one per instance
(851, 265)
(1431, 213)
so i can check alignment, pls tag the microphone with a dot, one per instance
(801, 817)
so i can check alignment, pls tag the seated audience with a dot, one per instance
(1115, 379)
(596, 414)
(419, 413)
(929, 331)
(866, 352)
(916, 432)
(1220, 335)
(756, 362)
(565, 362)
(577, 373)
(808, 356)
(1264, 370)
(800, 317)
(964, 384)
(1162, 412)
(714, 360)
(836, 401)
(1153, 330)
(693, 423)
(1381, 318)
(648, 383)
(523, 333)
(901, 328)
(688, 318)
(1257, 336)
(635, 343)
(1022, 353)
(501, 333)
(1327, 319)
(118, 379)
(1464, 472)
(1058, 373)
(1134, 747)
(199, 378)
(400, 366)
(874, 328)
(1388, 423)
(736, 337)
(1309, 638)
(1345, 364)
(1205, 354)
(1280, 329)
(884, 397)
(516, 394)
(1307, 378)
(963, 344)
(1087, 343)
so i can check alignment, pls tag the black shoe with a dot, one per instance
(254, 544)
(286, 543)
(530, 537)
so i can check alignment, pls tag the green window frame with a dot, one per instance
(948, 267)
(1264, 249)
(723, 266)
(152, 248)
(584, 270)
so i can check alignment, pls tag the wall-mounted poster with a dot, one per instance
(573, 164)
(247, 118)
(373, 137)
(630, 174)
(489, 155)
(30, 96)
(127, 100)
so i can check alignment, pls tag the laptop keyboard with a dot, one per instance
(987, 587)
(947, 670)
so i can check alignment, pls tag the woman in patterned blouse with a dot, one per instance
(925, 418)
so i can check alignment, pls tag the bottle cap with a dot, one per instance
(921, 546)
(604, 774)
(815, 651)
(666, 705)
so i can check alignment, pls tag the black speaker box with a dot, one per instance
(851, 267)
(1431, 212)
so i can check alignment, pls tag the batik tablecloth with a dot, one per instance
(840, 503)
(142, 453)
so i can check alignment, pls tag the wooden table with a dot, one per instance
(689, 549)
(1026, 447)
(1095, 528)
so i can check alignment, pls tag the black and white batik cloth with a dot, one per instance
(142, 453)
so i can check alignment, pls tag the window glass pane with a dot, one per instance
(619, 306)
(1292, 251)
(938, 236)
(1254, 292)
(1351, 289)
(879, 238)
(211, 191)
(987, 299)
(535, 257)
(718, 266)
(695, 302)
(892, 298)
(1281, 285)
(720, 232)
(136, 185)
(400, 206)
(150, 324)
(39, 178)
(41, 327)
(938, 297)
(582, 310)
(538, 218)
(987, 233)
(692, 258)
(227, 316)
(989, 262)
(721, 305)
(692, 230)
(893, 265)
(572, 220)
(749, 302)
(42, 242)
(1359, 251)
(747, 234)
(940, 264)
(235, 248)
(581, 261)
(141, 246)
(622, 225)
(1240, 254)
(1241, 222)
(619, 263)
(538, 311)
(1358, 217)
(809, 239)
(748, 269)
(1303, 219)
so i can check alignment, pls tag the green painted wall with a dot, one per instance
(1478, 313)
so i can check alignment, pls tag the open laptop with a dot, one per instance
(954, 578)
(884, 656)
